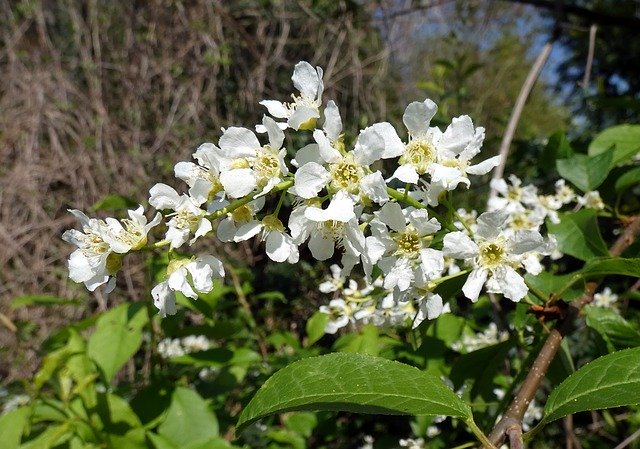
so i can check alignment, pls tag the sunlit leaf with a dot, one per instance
(624, 139)
(117, 337)
(356, 383)
(578, 235)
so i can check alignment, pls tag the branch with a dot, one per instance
(518, 407)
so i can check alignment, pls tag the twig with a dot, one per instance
(536, 374)
(571, 439)
(628, 440)
(592, 46)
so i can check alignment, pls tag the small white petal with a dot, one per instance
(238, 182)
(510, 282)
(459, 246)
(164, 197)
(406, 173)
(238, 142)
(332, 121)
(276, 108)
(310, 179)
(418, 115)
(474, 283)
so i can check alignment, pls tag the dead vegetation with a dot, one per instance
(102, 98)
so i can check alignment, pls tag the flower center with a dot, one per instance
(186, 219)
(409, 243)
(333, 230)
(346, 175)
(272, 223)
(491, 254)
(266, 165)
(243, 214)
(420, 153)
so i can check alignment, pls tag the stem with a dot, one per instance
(401, 197)
(479, 434)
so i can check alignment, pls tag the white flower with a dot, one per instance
(227, 230)
(130, 234)
(188, 217)
(420, 150)
(460, 143)
(327, 164)
(280, 246)
(564, 193)
(203, 178)
(303, 112)
(340, 313)
(513, 196)
(494, 255)
(251, 165)
(591, 200)
(181, 274)
(94, 262)
(606, 298)
(399, 245)
(326, 228)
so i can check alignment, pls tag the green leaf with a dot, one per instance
(602, 266)
(578, 235)
(558, 147)
(113, 202)
(628, 179)
(609, 381)
(480, 366)
(625, 140)
(586, 172)
(315, 327)
(12, 425)
(41, 300)
(356, 383)
(117, 337)
(547, 284)
(617, 332)
(367, 341)
(189, 419)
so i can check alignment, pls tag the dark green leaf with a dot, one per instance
(117, 337)
(617, 332)
(114, 202)
(628, 179)
(611, 265)
(578, 235)
(367, 341)
(481, 367)
(609, 381)
(558, 147)
(356, 383)
(189, 419)
(586, 172)
(625, 140)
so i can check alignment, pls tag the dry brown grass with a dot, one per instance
(104, 97)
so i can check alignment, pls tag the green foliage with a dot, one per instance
(609, 381)
(622, 140)
(353, 382)
(117, 338)
(586, 172)
(578, 235)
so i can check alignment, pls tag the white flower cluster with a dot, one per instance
(341, 203)
(490, 336)
(176, 347)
